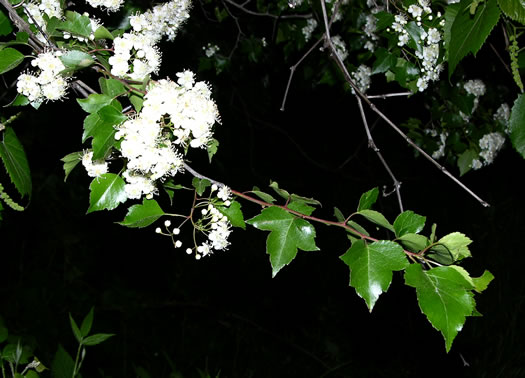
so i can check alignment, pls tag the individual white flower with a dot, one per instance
(415, 11)
(403, 39)
(433, 36)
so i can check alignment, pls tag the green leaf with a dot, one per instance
(339, 215)
(414, 242)
(111, 87)
(9, 59)
(301, 207)
(514, 9)
(5, 24)
(75, 329)
(200, 185)
(76, 60)
(140, 216)
(444, 296)
(468, 33)
(102, 129)
(212, 148)
(517, 125)
(76, 24)
(371, 267)
(85, 327)
(441, 254)
(283, 193)
(482, 282)
(15, 162)
(457, 243)
(70, 161)
(3, 333)
(94, 102)
(103, 33)
(368, 199)
(262, 195)
(409, 222)
(107, 192)
(384, 61)
(377, 218)
(234, 214)
(62, 365)
(465, 161)
(288, 233)
(96, 339)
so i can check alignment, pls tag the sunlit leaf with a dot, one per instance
(233, 213)
(107, 192)
(409, 222)
(288, 234)
(371, 267)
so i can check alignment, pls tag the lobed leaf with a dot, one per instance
(15, 161)
(371, 267)
(457, 243)
(142, 215)
(444, 296)
(200, 185)
(234, 214)
(288, 234)
(107, 192)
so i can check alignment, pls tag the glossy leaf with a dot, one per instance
(96, 339)
(288, 234)
(71, 161)
(444, 296)
(468, 33)
(234, 214)
(377, 218)
(517, 125)
(457, 243)
(368, 199)
(371, 267)
(76, 60)
(9, 59)
(301, 207)
(514, 9)
(101, 126)
(94, 102)
(15, 161)
(107, 192)
(413, 242)
(142, 215)
(103, 33)
(409, 222)
(76, 24)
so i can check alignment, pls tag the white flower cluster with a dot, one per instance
(110, 5)
(503, 115)
(47, 84)
(210, 50)
(475, 87)
(490, 145)
(307, 30)
(369, 29)
(295, 3)
(429, 44)
(215, 225)
(37, 9)
(440, 152)
(362, 77)
(139, 46)
(93, 168)
(340, 47)
(184, 110)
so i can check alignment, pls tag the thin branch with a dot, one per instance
(348, 78)
(372, 145)
(267, 14)
(22, 26)
(386, 95)
(505, 65)
(202, 177)
(293, 68)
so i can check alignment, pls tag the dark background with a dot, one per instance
(224, 313)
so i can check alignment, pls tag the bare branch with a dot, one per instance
(267, 14)
(342, 67)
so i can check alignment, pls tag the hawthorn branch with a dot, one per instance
(22, 26)
(344, 71)
(372, 145)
